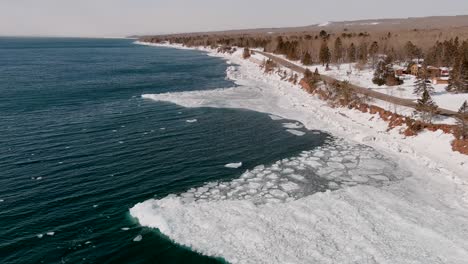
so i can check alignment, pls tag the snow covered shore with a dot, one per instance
(418, 219)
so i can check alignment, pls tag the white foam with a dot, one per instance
(296, 132)
(293, 125)
(50, 233)
(125, 228)
(138, 238)
(191, 120)
(274, 117)
(233, 165)
(39, 235)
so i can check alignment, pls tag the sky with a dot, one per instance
(119, 18)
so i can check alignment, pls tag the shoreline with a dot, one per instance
(336, 129)
(431, 206)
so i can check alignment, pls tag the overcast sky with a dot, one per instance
(113, 18)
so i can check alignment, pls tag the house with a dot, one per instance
(433, 72)
(414, 69)
(443, 78)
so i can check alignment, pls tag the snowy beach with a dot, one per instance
(388, 198)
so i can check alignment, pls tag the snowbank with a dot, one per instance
(281, 214)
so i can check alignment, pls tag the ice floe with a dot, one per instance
(138, 238)
(275, 117)
(233, 165)
(342, 163)
(293, 125)
(296, 132)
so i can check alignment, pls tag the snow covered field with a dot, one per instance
(390, 199)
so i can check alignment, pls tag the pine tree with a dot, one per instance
(362, 55)
(338, 51)
(426, 107)
(379, 74)
(462, 121)
(306, 59)
(352, 53)
(324, 54)
(373, 51)
(464, 75)
(422, 84)
(458, 79)
(307, 74)
(246, 53)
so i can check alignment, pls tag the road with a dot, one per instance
(357, 89)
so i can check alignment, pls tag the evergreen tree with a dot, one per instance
(426, 107)
(373, 52)
(307, 74)
(462, 121)
(323, 34)
(306, 59)
(422, 83)
(246, 53)
(352, 53)
(458, 79)
(362, 55)
(338, 51)
(464, 75)
(324, 54)
(379, 74)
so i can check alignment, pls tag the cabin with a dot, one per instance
(414, 69)
(443, 77)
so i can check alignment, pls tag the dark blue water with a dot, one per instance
(79, 147)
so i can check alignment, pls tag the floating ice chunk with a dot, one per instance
(50, 233)
(313, 163)
(289, 186)
(359, 179)
(293, 125)
(379, 177)
(372, 164)
(278, 193)
(233, 165)
(297, 177)
(125, 228)
(138, 238)
(274, 117)
(296, 132)
(336, 165)
(191, 120)
(39, 235)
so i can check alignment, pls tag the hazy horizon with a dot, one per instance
(120, 18)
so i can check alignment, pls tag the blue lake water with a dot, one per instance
(79, 147)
